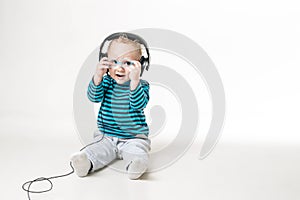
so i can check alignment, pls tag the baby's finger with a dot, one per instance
(104, 67)
(136, 63)
(104, 58)
(108, 63)
(131, 67)
(100, 67)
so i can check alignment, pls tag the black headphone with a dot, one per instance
(145, 61)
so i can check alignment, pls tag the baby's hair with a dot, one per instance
(125, 40)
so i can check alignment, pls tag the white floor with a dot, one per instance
(232, 171)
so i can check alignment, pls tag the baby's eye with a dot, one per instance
(128, 63)
(115, 61)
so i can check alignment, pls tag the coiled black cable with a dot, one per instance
(26, 186)
(29, 183)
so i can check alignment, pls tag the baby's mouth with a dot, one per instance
(120, 75)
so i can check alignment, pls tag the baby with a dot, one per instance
(123, 131)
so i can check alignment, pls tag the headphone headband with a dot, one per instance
(145, 61)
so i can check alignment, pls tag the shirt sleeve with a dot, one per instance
(139, 97)
(95, 92)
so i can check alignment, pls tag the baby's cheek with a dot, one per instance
(127, 70)
(111, 71)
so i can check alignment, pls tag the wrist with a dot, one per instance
(134, 83)
(97, 79)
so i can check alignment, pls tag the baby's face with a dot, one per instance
(121, 53)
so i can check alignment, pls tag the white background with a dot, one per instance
(255, 46)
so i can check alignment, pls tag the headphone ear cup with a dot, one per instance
(142, 61)
(102, 55)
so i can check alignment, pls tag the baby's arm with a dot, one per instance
(97, 84)
(95, 92)
(139, 97)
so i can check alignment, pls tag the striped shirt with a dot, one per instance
(121, 113)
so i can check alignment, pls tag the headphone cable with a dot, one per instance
(29, 183)
(26, 186)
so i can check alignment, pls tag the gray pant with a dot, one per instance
(105, 149)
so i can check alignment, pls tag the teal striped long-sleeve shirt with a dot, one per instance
(121, 113)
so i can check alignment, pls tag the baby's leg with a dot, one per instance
(94, 156)
(135, 153)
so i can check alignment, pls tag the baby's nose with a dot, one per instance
(120, 69)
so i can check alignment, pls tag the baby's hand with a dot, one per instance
(102, 66)
(135, 70)
(101, 69)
